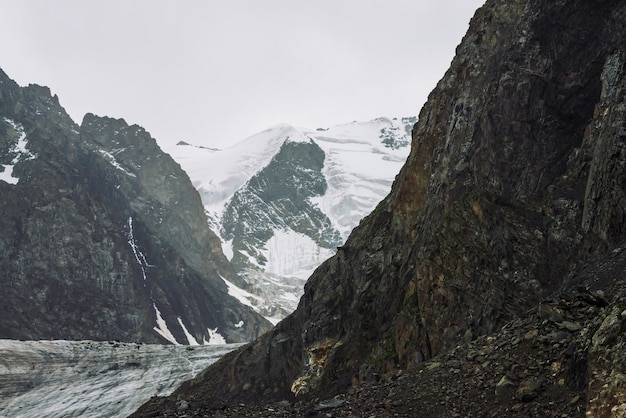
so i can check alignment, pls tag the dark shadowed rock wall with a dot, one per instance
(101, 230)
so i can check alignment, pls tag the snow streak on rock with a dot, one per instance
(111, 159)
(161, 327)
(191, 340)
(17, 150)
(215, 338)
(139, 256)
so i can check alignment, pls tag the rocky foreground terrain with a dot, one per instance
(534, 366)
(490, 282)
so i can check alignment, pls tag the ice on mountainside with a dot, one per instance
(139, 256)
(111, 159)
(360, 162)
(190, 338)
(94, 379)
(161, 327)
(17, 151)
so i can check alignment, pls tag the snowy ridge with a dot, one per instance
(359, 168)
(217, 174)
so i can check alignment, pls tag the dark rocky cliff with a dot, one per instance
(513, 194)
(98, 229)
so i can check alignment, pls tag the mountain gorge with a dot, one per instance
(502, 239)
(103, 235)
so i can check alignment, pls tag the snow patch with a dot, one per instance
(7, 174)
(215, 338)
(227, 249)
(19, 149)
(111, 159)
(239, 324)
(240, 294)
(190, 338)
(217, 174)
(161, 327)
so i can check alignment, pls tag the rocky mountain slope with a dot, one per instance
(102, 235)
(283, 200)
(512, 199)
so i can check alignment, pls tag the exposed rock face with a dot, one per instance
(102, 233)
(514, 190)
(278, 197)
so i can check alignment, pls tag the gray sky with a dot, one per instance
(214, 72)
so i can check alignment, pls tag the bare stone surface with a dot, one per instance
(511, 201)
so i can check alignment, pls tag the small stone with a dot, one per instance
(517, 407)
(329, 404)
(550, 313)
(531, 334)
(434, 365)
(552, 336)
(574, 400)
(182, 405)
(505, 381)
(503, 386)
(623, 315)
(528, 390)
(570, 326)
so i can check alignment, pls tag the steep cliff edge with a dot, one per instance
(102, 235)
(513, 192)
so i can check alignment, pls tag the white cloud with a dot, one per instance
(214, 72)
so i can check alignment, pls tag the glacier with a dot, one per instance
(88, 378)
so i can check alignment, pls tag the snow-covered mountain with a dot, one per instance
(284, 199)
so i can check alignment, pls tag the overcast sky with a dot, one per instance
(215, 72)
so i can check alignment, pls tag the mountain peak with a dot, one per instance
(103, 235)
(284, 199)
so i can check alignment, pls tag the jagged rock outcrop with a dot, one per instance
(102, 235)
(513, 188)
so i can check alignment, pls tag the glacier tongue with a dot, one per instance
(88, 378)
